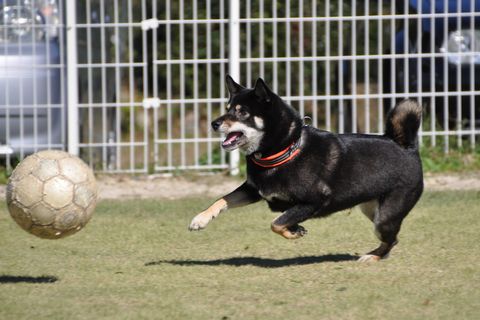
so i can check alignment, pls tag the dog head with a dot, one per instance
(243, 122)
(255, 118)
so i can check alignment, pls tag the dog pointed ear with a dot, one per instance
(233, 87)
(262, 91)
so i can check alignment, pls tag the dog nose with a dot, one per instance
(216, 124)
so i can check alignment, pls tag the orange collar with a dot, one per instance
(279, 158)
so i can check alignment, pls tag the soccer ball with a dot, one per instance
(51, 194)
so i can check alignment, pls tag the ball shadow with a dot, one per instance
(259, 262)
(27, 279)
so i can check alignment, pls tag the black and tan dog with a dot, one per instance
(309, 173)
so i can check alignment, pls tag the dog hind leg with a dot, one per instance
(388, 219)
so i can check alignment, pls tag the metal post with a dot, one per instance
(234, 65)
(72, 80)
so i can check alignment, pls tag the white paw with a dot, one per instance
(199, 223)
(369, 258)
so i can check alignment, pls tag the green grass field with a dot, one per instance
(136, 260)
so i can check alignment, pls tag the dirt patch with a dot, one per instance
(144, 187)
(459, 181)
(211, 186)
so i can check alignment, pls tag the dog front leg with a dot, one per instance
(243, 195)
(287, 224)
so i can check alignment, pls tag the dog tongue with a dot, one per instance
(232, 136)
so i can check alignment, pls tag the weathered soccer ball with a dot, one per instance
(51, 194)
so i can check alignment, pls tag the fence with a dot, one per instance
(32, 78)
(149, 75)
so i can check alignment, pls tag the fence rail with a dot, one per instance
(146, 78)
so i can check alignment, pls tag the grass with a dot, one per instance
(435, 160)
(136, 260)
(3, 175)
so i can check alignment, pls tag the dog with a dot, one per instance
(306, 173)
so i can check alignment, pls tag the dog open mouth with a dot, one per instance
(233, 140)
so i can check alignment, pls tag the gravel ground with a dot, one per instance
(153, 186)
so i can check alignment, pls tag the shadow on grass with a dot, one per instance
(27, 279)
(259, 262)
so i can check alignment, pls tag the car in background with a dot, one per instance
(31, 102)
(33, 80)
(453, 36)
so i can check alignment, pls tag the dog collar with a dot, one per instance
(279, 158)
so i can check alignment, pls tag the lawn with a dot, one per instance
(136, 260)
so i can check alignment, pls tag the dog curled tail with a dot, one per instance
(403, 122)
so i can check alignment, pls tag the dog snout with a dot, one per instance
(216, 124)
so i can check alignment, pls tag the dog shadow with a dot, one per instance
(27, 279)
(259, 262)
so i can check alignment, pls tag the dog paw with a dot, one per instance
(369, 258)
(198, 223)
(295, 232)
(299, 230)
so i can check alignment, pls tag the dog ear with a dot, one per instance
(261, 90)
(233, 87)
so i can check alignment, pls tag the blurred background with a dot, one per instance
(141, 80)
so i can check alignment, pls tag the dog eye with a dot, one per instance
(244, 113)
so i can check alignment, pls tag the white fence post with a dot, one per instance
(234, 65)
(72, 80)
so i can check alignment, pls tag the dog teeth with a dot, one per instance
(231, 138)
